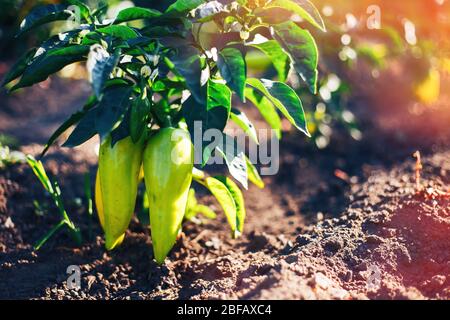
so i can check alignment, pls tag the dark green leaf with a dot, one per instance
(187, 62)
(233, 69)
(136, 13)
(279, 58)
(117, 82)
(58, 41)
(84, 131)
(100, 68)
(44, 14)
(140, 109)
(115, 101)
(19, 67)
(211, 115)
(74, 118)
(92, 38)
(155, 32)
(119, 31)
(123, 129)
(266, 108)
(285, 99)
(49, 63)
(302, 48)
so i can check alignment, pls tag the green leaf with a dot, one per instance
(266, 108)
(119, 31)
(244, 123)
(49, 63)
(219, 95)
(140, 109)
(39, 172)
(234, 158)
(182, 7)
(204, 211)
(279, 58)
(19, 67)
(115, 102)
(225, 198)
(58, 41)
(304, 8)
(187, 62)
(74, 118)
(253, 174)
(285, 99)
(213, 114)
(136, 13)
(123, 129)
(302, 48)
(84, 130)
(44, 14)
(155, 32)
(233, 69)
(100, 68)
(85, 12)
(238, 198)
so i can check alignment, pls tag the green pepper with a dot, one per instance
(168, 163)
(116, 187)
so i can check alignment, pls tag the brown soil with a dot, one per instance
(309, 234)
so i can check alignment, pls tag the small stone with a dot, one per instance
(373, 239)
(320, 216)
(90, 281)
(303, 239)
(438, 280)
(321, 280)
(9, 224)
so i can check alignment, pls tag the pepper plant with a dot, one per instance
(152, 84)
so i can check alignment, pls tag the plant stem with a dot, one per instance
(41, 242)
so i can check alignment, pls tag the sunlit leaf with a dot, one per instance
(279, 58)
(302, 49)
(244, 123)
(266, 108)
(304, 8)
(136, 13)
(119, 31)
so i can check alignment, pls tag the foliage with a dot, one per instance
(181, 65)
(52, 187)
